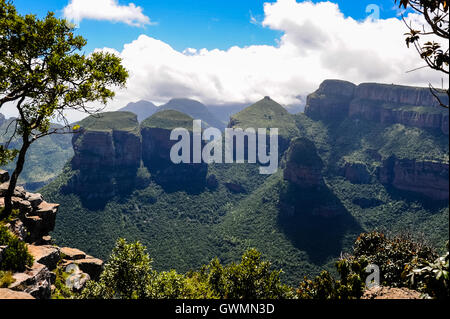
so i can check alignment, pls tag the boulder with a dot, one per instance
(46, 254)
(90, 265)
(35, 281)
(35, 199)
(72, 253)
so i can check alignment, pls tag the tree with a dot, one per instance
(44, 74)
(436, 55)
(127, 274)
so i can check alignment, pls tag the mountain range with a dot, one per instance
(361, 157)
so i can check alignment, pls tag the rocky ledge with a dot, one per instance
(427, 178)
(381, 103)
(35, 220)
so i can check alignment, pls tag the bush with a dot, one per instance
(126, 275)
(350, 286)
(6, 279)
(129, 275)
(392, 254)
(16, 256)
(431, 278)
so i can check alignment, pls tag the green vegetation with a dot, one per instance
(129, 275)
(43, 74)
(108, 121)
(266, 114)
(185, 229)
(194, 109)
(6, 279)
(45, 158)
(16, 256)
(169, 120)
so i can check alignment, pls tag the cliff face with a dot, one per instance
(331, 100)
(424, 177)
(303, 167)
(382, 103)
(115, 147)
(106, 148)
(156, 146)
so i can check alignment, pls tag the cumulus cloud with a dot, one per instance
(318, 43)
(109, 10)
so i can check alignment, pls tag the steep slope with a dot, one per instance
(330, 189)
(194, 109)
(267, 113)
(142, 109)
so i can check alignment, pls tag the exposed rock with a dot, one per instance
(107, 149)
(424, 177)
(46, 255)
(356, 173)
(303, 167)
(331, 100)
(17, 227)
(157, 145)
(41, 221)
(36, 216)
(235, 188)
(35, 199)
(212, 182)
(4, 176)
(382, 103)
(35, 281)
(6, 293)
(90, 265)
(391, 293)
(72, 253)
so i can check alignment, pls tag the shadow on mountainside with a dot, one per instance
(315, 221)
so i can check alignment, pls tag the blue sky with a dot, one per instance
(197, 24)
(220, 52)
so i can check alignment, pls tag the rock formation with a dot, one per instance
(303, 167)
(156, 146)
(382, 103)
(106, 148)
(35, 219)
(424, 177)
(357, 173)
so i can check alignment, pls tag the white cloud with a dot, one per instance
(318, 43)
(109, 10)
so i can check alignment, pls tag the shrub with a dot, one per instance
(431, 278)
(6, 279)
(16, 256)
(392, 253)
(350, 286)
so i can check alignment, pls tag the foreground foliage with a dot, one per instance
(15, 257)
(129, 274)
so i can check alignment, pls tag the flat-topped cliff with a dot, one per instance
(383, 103)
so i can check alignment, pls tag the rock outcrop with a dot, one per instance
(424, 177)
(35, 220)
(356, 173)
(36, 216)
(107, 148)
(303, 166)
(382, 103)
(156, 147)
